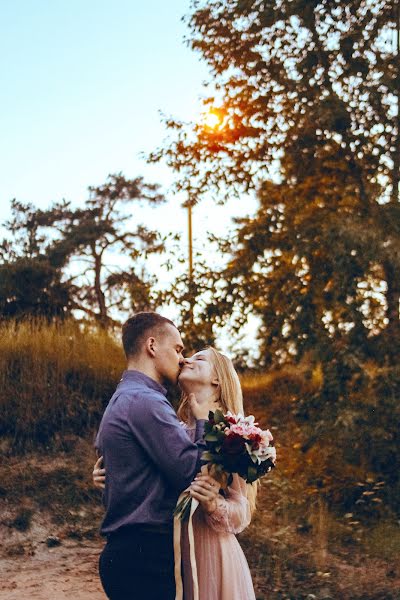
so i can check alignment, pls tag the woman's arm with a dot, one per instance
(230, 514)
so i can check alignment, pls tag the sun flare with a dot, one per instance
(213, 119)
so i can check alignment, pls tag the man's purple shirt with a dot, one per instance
(148, 455)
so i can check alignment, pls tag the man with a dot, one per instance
(149, 460)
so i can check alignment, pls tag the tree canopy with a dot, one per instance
(307, 99)
(89, 259)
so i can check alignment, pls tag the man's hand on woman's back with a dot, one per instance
(99, 474)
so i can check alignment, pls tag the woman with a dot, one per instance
(223, 573)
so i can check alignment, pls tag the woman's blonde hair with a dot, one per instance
(230, 398)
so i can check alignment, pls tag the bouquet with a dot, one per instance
(235, 444)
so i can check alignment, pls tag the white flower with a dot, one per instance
(267, 452)
(253, 454)
(250, 419)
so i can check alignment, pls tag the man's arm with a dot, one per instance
(156, 427)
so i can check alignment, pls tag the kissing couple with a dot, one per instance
(150, 454)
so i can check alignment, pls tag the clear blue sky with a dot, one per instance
(82, 82)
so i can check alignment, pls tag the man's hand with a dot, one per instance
(199, 410)
(99, 474)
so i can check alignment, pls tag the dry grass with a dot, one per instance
(309, 539)
(54, 488)
(54, 379)
(304, 544)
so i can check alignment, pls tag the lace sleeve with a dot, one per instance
(232, 514)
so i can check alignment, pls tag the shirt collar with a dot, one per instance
(133, 375)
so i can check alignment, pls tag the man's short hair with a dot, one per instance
(138, 328)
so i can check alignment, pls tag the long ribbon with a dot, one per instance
(192, 550)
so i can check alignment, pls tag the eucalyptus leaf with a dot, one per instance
(219, 416)
(211, 437)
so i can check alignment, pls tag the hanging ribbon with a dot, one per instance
(192, 550)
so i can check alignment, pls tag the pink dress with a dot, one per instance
(223, 572)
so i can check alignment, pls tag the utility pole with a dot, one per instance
(190, 251)
(396, 52)
(190, 230)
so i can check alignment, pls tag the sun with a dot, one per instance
(213, 119)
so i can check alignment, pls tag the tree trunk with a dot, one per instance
(101, 301)
(393, 302)
(393, 279)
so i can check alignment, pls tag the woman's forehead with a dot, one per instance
(204, 353)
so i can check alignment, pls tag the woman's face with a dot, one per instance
(198, 370)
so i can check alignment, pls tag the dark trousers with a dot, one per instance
(138, 564)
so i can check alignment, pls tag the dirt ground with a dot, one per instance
(68, 571)
(31, 570)
(49, 542)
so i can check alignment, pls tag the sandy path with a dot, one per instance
(66, 572)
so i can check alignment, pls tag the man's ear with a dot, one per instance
(150, 346)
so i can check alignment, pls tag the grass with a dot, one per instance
(54, 379)
(322, 529)
(52, 487)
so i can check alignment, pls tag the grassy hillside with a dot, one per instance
(54, 380)
(323, 528)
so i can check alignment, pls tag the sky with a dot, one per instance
(82, 86)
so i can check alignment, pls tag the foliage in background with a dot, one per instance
(32, 267)
(307, 96)
(341, 451)
(322, 529)
(56, 379)
(196, 318)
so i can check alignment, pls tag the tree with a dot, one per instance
(308, 94)
(31, 267)
(196, 315)
(100, 232)
(81, 245)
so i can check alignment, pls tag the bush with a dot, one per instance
(337, 432)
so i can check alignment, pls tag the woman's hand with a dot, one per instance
(206, 490)
(99, 474)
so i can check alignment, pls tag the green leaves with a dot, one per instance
(310, 87)
(252, 474)
(212, 437)
(219, 416)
